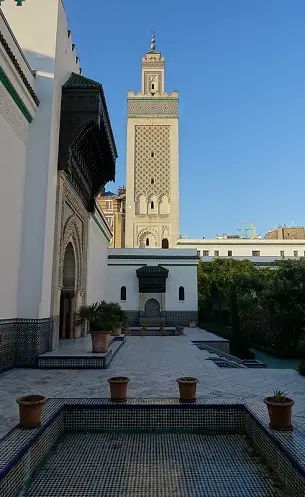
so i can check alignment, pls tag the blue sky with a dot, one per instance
(239, 67)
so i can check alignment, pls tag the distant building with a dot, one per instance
(284, 233)
(113, 207)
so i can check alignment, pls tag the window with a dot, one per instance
(108, 205)
(123, 293)
(109, 220)
(181, 293)
(152, 205)
(205, 253)
(147, 242)
(256, 253)
(152, 181)
(295, 253)
(198, 253)
(216, 253)
(165, 243)
(230, 253)
(152, 86)
(282, 253)
(152, 154)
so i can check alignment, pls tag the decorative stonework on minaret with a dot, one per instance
(152, 169)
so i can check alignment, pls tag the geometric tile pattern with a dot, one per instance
(152, 140)
(151, 433)
(151, 465)
(152, 107)
(22, 340)
(13, 115)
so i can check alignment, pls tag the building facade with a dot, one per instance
(152, 162)
(113, 206)
(245, 248)
(154, 285)
(58, 152)
(285, 233)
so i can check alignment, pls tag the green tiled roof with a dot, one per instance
(79, 81)
(152, 270)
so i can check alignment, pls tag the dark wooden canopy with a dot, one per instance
(152, 279)
(87, 151)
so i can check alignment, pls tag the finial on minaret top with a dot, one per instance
(153, 42)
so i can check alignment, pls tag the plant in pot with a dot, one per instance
(120, 318)
(187, 388)
(30, 410)
(143, 330)
(280, 410)
(179, 330)
(118, 388)
(102, 320)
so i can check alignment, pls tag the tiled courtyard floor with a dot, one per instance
(153, 364)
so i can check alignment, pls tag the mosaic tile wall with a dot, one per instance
(172, 318)
(22, 340)
(267, 448)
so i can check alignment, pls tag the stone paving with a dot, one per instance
(153, 364)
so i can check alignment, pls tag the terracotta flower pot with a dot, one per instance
(279, 413)
(118, 388)
(179, 330)
(142, 332)
(30, 410)
(187, 388)
(116, 332)
(100, 341)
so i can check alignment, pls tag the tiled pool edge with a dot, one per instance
(21, 451)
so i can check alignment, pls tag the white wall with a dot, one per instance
(185, 276)
(43, 41)
(97, 279)
(14, 129)
(182, 272)
(12, 173)
(239, 248)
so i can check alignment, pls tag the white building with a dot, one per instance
(154, 284)
(152, 165)
(244, 248)
(55, 133)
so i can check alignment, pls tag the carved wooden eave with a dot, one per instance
(87, 151)
(152, 279)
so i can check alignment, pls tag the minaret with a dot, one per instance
(152, 161)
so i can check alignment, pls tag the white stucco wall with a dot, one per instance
(14, 129)
(242, 248)
(98, 242)
(46, 44)
(182, 272)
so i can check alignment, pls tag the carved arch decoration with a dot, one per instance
(148, 233)
(70, 233)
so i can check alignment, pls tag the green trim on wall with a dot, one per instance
(101, 227)
(15, 96)
(165, 265)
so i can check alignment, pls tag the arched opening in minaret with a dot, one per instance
(165, 244)
(152, 205)
(152, 154)
(152, 181)
(147, 242)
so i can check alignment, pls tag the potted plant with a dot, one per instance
(102, 320)
(118, 388)
(120, 317)
(187, 388)
(179, 330)
(279, 409)
(30, 410)
(143, 330)
(192, 323)
(125, 329)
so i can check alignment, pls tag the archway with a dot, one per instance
(67, 296)
(152, 308)
(165, 243)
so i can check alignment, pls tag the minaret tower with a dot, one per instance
(152, 162)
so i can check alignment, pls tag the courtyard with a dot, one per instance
(153, 364)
